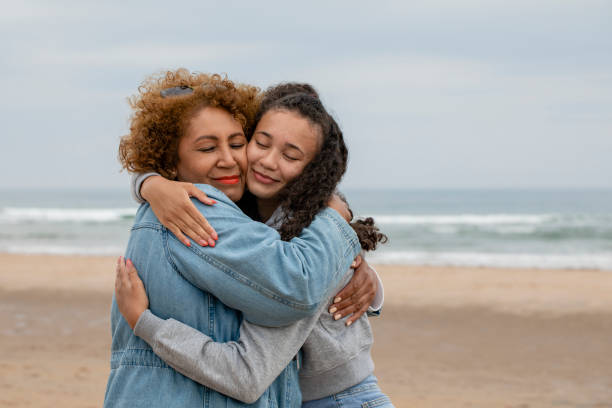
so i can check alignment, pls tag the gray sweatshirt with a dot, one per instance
(334, 357)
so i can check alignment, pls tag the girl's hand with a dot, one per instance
(357, 295)
(171, 204)
(130, 293)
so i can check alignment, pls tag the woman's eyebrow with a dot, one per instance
(213, 137)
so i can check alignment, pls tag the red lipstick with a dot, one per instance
(229, 179)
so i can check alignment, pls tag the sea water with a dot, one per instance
(503, 228)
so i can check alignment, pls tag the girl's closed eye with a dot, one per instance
(207, 149)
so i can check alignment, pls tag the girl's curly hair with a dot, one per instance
(306, 195)
(159, 121)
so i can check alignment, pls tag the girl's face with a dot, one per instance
(282, 145)
(213, 151)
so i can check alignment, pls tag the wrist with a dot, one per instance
(148, 184)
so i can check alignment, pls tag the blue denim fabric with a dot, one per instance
(250, 274)
(366, 394)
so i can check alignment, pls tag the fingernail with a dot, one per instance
(215, 236)
(337, 316)
(213, 201)
(203, 243)
(338, 299)
(211, 242)
(349, 323)
(188, 243)
(333, 309)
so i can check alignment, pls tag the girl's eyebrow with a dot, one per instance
(290, 145)
(295, 147)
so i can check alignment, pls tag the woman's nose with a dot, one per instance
(226, 159)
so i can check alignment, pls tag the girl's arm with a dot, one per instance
(241, 369)
(170, 201)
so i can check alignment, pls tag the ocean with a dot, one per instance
(498, 228)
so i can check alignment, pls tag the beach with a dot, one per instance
(447, 337)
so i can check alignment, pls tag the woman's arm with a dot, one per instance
(170, 201)
(273, 282)
(241, 369)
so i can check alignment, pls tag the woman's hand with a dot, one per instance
(357, 295)
(171, 204)
(130, 293)
(338, 204)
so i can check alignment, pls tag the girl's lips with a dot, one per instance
(229, 179)
(263, 179)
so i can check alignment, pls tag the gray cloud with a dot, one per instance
(430, 94)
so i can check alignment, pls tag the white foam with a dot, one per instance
(97, 215)
(513, 260)
(63, 249)
(463, 219)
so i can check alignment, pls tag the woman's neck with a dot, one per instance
(266, 207)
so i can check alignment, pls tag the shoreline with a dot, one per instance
(447, 337)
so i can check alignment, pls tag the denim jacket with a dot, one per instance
(249, 274)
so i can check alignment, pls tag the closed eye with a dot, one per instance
(237, 145)
(263, 146)
(207, 149)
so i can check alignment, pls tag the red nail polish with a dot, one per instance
(215, 236)
(188, 243)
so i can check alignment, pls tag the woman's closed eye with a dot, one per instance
(207, 149)
(237, 145)
(259, 144)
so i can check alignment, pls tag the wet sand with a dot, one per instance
(448, 337)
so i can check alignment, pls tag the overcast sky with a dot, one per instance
(430, 94)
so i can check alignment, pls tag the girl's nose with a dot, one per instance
(270, 160)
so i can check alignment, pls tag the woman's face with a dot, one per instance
(282, 145)
(213, 151)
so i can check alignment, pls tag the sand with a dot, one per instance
(448, 337)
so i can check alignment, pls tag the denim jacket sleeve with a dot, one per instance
(251, 269)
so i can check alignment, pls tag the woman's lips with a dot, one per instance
(229, 179)
(263, 179)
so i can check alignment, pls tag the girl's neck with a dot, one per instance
(266, 207)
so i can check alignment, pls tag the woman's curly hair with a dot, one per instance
(306, 195)
(159, 121)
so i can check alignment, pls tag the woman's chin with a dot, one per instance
(233, 191)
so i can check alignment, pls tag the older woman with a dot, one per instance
(194, 127)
